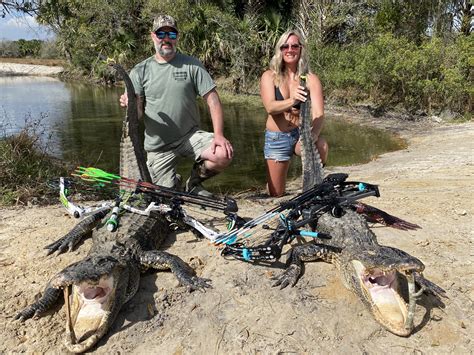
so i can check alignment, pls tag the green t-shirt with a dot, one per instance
(169, 91)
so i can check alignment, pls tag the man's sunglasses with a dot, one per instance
(170, 34)
(286, 46)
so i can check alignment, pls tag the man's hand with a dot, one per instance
(221, 141)
(124, 100)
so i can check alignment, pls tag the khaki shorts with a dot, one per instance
(162, 165)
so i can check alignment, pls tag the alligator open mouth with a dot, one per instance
(88, 307)
(381, 289)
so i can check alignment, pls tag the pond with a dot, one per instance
(82, 123)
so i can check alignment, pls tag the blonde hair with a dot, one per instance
(277, 66)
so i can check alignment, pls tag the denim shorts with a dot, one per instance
(280, 146)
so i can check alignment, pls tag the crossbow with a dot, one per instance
(332, 195)
(158, 198)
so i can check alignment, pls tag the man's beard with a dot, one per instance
(165, 52)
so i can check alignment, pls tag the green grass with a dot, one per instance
(26, 168)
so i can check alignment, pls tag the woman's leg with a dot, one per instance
(276, 176)
(323, 149)
(321, 145)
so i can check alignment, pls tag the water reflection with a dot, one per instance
(28, 100)
(85, 124)
(92, 135)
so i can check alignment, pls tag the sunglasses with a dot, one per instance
(170, 34)
(286, 46)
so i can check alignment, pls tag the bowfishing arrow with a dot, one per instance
(228, 205)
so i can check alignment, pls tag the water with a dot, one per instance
(82, 123)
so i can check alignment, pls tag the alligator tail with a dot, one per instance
(313, 171)
(132, 155)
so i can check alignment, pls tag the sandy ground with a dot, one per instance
(29, 69)
(429, 183)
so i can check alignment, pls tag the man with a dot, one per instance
(166, 86)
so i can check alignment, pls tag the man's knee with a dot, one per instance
(219, 160)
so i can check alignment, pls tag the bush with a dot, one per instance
(9, 49)
(49, 50)
(25, 167)
(391, 71)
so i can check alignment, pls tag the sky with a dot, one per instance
(17, 26)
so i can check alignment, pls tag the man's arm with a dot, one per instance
(140, 101)
(217, 116)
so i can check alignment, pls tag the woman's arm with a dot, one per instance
(267, 93)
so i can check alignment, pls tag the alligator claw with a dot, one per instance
(27, 313)
(46, 301)
(288, 277)
(61, 245)
(78, 233)
(194, 283)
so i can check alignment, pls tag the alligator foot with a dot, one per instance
(296, 257)
(184, 273)
(193, 282)
(288, 277)
(49, 298)
(83, 228)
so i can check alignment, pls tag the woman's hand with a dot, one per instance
(299, 94)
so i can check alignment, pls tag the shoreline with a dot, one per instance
(17, 69)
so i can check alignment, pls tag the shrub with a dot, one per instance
(25, 167)
(391, 71)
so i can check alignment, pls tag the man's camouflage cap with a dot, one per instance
(164, 21)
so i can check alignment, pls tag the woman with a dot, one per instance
(281, 94)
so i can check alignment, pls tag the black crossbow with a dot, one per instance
(332, 195)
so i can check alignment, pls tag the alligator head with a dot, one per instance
(94, 290)
(379, 276)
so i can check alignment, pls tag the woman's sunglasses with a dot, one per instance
(286, 46)
(170, 34)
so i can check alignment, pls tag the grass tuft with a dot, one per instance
(26, 167)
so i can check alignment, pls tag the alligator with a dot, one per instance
(379, 275)
(96, 288)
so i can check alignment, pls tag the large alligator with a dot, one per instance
(96, 288)
(377, 274)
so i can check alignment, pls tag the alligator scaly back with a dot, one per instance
(313, 171)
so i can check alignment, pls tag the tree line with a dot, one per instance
(33, 48)
(413, 54)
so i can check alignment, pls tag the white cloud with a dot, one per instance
(15, 27)
(22, 22)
